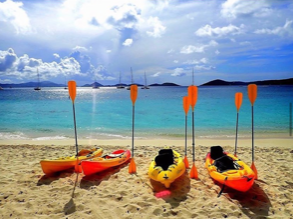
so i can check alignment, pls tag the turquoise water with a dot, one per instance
(107, 112)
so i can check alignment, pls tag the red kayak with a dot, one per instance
(107, 161)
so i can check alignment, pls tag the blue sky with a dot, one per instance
(88, 40)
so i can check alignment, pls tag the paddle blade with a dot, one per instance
(254, 170)
(133, 93)
(77, 167)
(192, 94)
(186, 162)
(186, 104)
(252, 93)
(238, 100)
(193, 172)
(132, 166)
(72, 90)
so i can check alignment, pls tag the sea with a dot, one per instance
(106, 113)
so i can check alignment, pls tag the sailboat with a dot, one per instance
(120, 86)
(145, 83)
(38, 87)
(65, 84)
(131, 78)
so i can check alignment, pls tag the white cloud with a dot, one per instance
(203, 67)
(192, 62)
(197, 49)
(80, 49)
(157, 28)
(12, 12)
(127, 42)
(157, 74)
(57, 56)
(207, 30)
(178, 72)
(238, 8)
(287, 29)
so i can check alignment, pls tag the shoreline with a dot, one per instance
(266, 142)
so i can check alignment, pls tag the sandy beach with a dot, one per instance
(27, 193)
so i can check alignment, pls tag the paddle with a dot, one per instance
(192, 94)
(238, 102)
(72, 94)
(252, 94)
(133, 96)
(186, 106)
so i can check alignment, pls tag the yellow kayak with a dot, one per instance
(63, 163)
(166, 167)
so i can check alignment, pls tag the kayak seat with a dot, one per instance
(164, 160)
(216, 152)
(166, 151)
(221, 160)
(224, 163)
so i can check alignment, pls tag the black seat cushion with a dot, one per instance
(217, 152)
(166, 151)
(164, 160)
(224, 163)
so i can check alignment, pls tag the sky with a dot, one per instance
(166, 40)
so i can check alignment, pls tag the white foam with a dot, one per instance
(12, 136)
(49, 138)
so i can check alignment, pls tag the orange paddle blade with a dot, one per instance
(72, 90)
(193, 172)
(252, 92)
(238, 100)
(132, 166)
(186, 162)
(192, 94)
(133, 93)
(77, 167)
(186, 104)
(254, 170)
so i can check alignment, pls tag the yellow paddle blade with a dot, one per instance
(192, 94)
(186, 104)
(186, 162)
(238, 100)
(254, 170)
(193, 172)
(72, 90)
(77, 167)
(133, 93)
(252, 93)
(132, 166)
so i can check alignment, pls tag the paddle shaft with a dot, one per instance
(290, 122)
(252, 132)
(193, 143)
(76, 145)
(185, 135)
(236, 132)
(133, 109)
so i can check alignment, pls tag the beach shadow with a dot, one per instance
(176, 193)
(95, 179)
(48, 179)
(70, 207)
(254, 203)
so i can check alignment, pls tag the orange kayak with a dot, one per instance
(99, 164)
(64, 163)
(240, 177)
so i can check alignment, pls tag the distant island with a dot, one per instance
(164, 84)
(219, 82)
(95, 84)
(216, 82)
